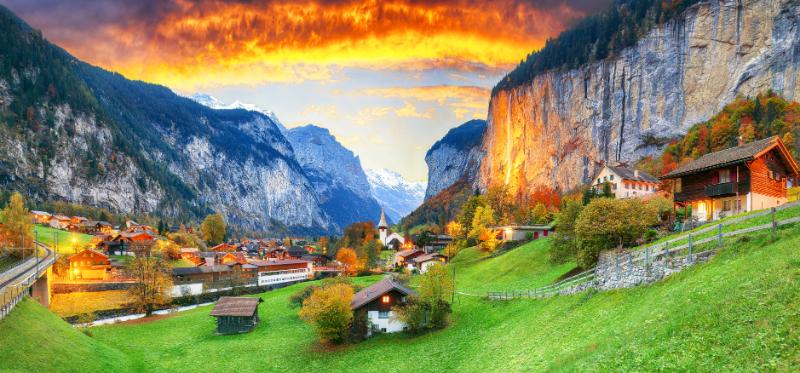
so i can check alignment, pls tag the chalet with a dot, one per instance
(92, 227)
(208, 275)
(77, 220)
(128, 242)
(236, 314)
(626, 182)
(403, 257)
(377, 301)
(744, 178)
(423, 262)
(41, 217)
(318, 260)
(226, 247)
(275, 273)
(233, 258)
(89, 265)
(523, 232)
(296, 252)
(60, 221)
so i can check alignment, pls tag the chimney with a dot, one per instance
(635, 173)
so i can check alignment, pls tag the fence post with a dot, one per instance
(647, 260)
(774, 222)
(690, 247)
(719, 235)
(666, 250)
(616, 264)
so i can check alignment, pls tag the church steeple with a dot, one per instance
(382, 223)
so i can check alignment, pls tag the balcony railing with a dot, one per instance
(721, 189)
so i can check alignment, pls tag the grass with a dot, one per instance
(66, 245)
(35, 340)
(71, 304)
(737, 312)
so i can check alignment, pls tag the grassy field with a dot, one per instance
(67, 241)
(737, 312)
(72, 304)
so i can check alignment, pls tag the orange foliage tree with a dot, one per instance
(349, 260)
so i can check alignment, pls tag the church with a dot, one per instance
(388, 239)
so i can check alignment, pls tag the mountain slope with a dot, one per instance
(75, 132)
(556, 127)
(454, 155)
(336, 174)
(395, 194)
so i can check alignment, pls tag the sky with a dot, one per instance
(388, 78)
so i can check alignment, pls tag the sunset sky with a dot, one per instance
(388, 78)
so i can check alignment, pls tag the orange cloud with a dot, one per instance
(191, 44)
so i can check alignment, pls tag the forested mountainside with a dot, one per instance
(556, 126)
(454, 155)
(75, 132)
(336, 175)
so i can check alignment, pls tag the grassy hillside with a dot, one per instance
(35, 340)
(736, 312)
(67, 241)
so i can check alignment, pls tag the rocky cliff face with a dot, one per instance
(336, 174)
(557, 130)
(457, 154)
(71, 131)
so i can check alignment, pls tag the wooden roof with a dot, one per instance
(731, 156)
(376, 290)
(235, 306)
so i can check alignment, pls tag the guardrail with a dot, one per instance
(662, 251)
(16, 282)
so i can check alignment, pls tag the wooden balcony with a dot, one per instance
(722, 189)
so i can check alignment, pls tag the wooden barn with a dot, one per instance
(236, 314)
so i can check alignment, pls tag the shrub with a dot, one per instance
(328, 311)
(430, 309)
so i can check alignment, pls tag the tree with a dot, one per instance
(17, 228)
(322, 243)
(564, 246)
(213, 229)
(153, 283)
(328, 311)
(540, 214)
(349, 259)
(747, 131)
(430, 309)
(607, 190)
(373, 251)
(481, 229)
(605, 223)
(167, 249)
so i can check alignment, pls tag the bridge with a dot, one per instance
(28, 277)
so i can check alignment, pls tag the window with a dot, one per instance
(611, 177)
(678, 186)
(385, 299)
(726, 205)
(724, 176)
(383, 314)
(614, 186)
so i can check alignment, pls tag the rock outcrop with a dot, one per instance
(558, 129)
(457, 154)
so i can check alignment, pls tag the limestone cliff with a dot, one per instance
(454, 155)
(557, 129)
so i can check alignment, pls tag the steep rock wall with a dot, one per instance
(558, 129)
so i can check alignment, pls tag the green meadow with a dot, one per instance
(737, 312)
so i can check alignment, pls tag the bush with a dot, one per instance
(606, 223)
(297, 299)
(328, 311)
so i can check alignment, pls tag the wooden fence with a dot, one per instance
(668, 250)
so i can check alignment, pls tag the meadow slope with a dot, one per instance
(736, 312)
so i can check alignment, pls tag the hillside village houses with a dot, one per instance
(625, 182)
(748, 177)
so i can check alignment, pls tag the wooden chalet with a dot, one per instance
(224, 247)
(41, 217)
(377, 301)
(744, 178)
(423, 262)
(403, 257)
(208, 275)
(236, 314)
(89, 265)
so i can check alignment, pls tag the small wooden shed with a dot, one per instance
(236, 314)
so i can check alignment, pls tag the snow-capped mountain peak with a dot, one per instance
(397, 196)
(208, 100)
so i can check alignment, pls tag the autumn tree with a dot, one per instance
(373, 253)
(564, 243)
(328, 311)
(430, 308)
(213, 229)
(606, 223)
(17, 227)
(167, 249)
(539, 214)
(349, 260)
(322, 243)
(153, 283)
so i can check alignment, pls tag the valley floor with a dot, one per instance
(737, 312)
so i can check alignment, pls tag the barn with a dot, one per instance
(236, 314)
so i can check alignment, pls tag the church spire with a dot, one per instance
(382, 223)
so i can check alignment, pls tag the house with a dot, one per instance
(275, 273)
(318, 260)
(423, 262)
(226, 247)
(236, 314)
(89, 265)
(748, 177)
(233, 258)
(92, 227)
(41, 217)
(377, 301)
(77, 220)
(296, 252)
(626, 182)
(208, 275)
(127, 242)
(523, 232)
(60, 221)
(403, 257)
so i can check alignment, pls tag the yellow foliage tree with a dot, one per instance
(17, 228)
(328, 311)
(213, 229)
(153, 283)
